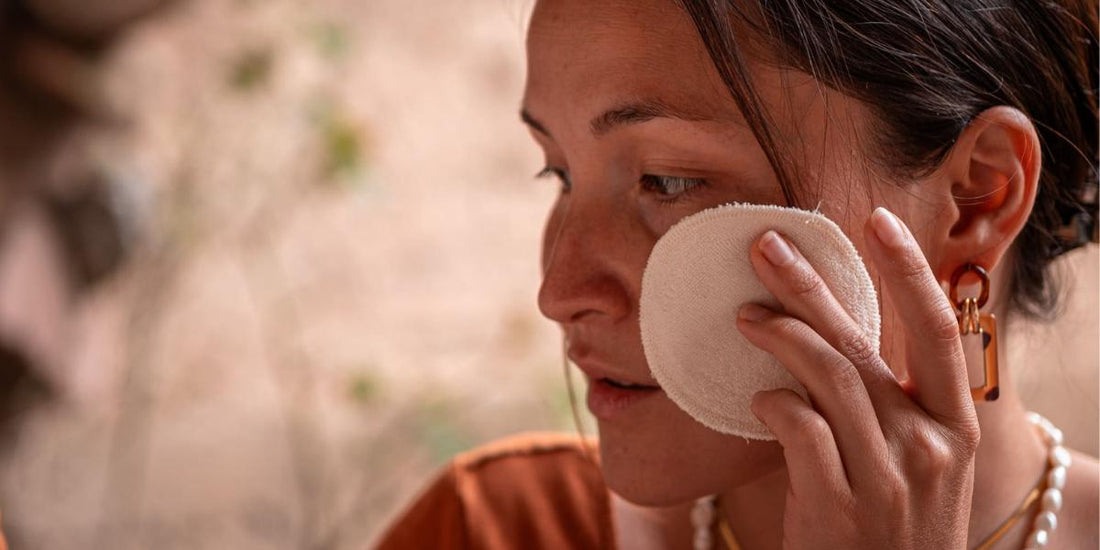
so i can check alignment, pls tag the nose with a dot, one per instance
(583, 275)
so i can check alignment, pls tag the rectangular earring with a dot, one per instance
(983, 325)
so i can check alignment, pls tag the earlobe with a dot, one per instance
(994, 168)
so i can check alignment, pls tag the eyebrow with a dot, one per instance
(627, 113)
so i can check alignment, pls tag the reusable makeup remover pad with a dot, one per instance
(698, 276)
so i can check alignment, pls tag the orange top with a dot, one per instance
(537, 490)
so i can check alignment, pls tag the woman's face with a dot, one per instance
(636, 124)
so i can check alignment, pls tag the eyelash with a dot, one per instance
(658, 185)
(554, 172)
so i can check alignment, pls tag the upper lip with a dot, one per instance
(597, 370)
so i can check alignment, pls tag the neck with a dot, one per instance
(1009, 461)
(1011, 458)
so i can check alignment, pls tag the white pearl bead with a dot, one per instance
(1055, 435)
(702, 515)
(703, 540)
(1052, 500)
(1060, 459)
(1050, 432)
(1059, 456)
(1046, 521)
(1057, 478)
(1038, 539)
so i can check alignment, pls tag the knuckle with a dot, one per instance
(942, 324)
(814, 427)
(786, 325)
(914, 267)
(857, 348)
(843, 375)
(928, 453)
(968, 435)
(806, 283)
(791, 328)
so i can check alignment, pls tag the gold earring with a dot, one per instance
(983, 325)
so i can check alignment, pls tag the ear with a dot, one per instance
(993, 172)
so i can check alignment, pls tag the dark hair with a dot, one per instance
(927, 68)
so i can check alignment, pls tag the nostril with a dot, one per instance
(554, 301)
(572, 297)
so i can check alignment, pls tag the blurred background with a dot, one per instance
(265, 265)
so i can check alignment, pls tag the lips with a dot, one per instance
(625, 385)
(611, 393)
(610, 402)
(595, 369)
(597, 372)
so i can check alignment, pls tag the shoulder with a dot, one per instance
(526, 447)
(544, 489)
(528, 471)
(1078, 527)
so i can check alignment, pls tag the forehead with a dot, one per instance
(582, 53)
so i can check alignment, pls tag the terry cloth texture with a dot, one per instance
(698, 276)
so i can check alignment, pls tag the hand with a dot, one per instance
(872, 463)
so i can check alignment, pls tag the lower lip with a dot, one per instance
(608, 402)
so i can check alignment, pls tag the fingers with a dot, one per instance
(787, 274)
(833, 384)
(813, 464)
(934, 355)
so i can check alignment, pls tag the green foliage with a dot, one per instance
(363, 388)
(252, 69)
(343, 147)
(331, 39)
(441, 434)
(343, 142)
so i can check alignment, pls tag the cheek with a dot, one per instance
(892, 347)
(852, 218)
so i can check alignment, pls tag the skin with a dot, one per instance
(868, 462)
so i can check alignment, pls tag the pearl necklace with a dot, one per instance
(703, 514)
(1059, 459)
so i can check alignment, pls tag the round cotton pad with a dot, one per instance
(698, 276)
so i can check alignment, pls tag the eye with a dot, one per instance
(670, 189)
(555, 172)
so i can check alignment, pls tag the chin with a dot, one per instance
(667, 458)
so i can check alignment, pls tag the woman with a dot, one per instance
(937, 135)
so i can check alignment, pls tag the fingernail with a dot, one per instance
(775, 249)
(754, 313)
(887, 227)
